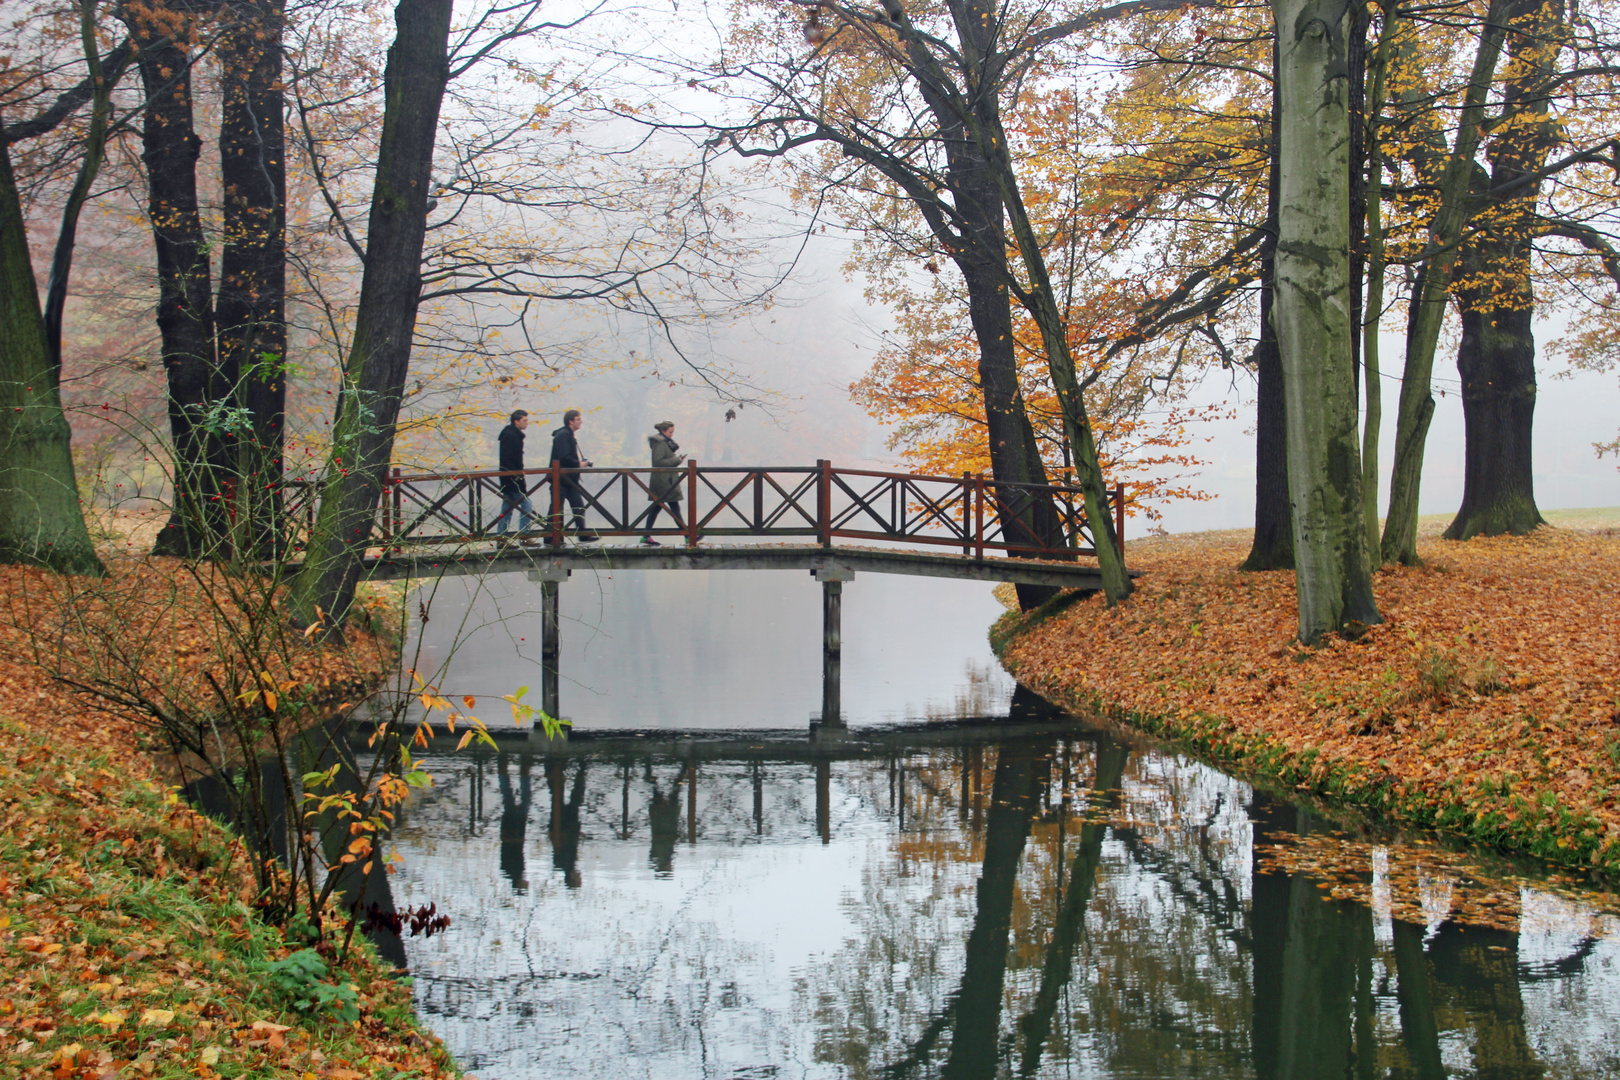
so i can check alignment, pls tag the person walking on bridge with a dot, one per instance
(565, 452)
(514, 495)
(665, 485)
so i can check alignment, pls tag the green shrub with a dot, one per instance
(301, 981)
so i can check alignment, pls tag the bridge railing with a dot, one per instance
(974, 514)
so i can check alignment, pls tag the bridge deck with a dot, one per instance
(605, 558)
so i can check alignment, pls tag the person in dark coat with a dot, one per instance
(513, 493)
(565, 452)
(665, 485)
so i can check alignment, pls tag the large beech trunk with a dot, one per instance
(185, 314)
(1312, 317)
(1497, 361)
(251, 310)
(1497, 355)
(972, 134)
(1014, 455)
(374, 381)
(1273, 546)
(41, 521)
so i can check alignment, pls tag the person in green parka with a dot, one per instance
(666, 478)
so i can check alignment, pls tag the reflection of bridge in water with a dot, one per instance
(1110, 915)
(828, 521)
(754, 759)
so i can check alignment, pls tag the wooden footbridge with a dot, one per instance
(826, 520)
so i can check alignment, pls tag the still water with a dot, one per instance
(964, 883)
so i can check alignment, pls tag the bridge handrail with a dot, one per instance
(486, 474)
(820, 501)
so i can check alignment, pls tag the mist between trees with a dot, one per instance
(311, 241)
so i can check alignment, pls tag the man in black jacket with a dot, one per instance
(513, 493)
(565, 452)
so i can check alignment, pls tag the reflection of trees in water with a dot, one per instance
(1031, 909)
(1140, 950)
(1067, 950)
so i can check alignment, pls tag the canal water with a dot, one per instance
(963, 882)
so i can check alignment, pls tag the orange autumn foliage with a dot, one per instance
(103, 876)
(1487, 704)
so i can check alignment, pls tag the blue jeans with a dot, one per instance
(514, 500)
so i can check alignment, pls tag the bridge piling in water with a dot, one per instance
(550, 578)
(832, 640)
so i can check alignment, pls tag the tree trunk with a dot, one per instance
(374, 381)
(1014, 455)
(1040, 301)
(251, 312)
(1497, 355)
(185, 314)
(1431, 293)
(1497, 361)
(1273, 546)
(41, 519)
(1376, 274)
(1313, 320)
(1356, 46)
(102, 81)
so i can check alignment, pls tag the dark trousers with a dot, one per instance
(674, 509)
(575, 496)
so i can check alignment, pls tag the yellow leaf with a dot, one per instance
(210, 1056)
(465, 739)
(109, 1019)
(157, 1017)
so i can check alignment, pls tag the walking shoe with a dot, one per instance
(586, 536)
(647, 541)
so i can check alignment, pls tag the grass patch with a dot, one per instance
(129, 947)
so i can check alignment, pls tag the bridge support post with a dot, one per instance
(832, 641)
(550, 576)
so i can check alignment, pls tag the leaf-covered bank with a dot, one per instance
(129, 945)
(1487, 704)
